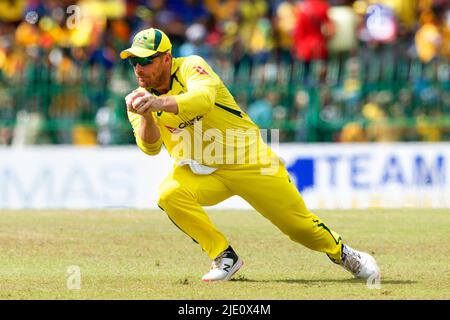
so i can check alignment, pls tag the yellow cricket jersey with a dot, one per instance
(209, 128)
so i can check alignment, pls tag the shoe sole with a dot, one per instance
(233, 270)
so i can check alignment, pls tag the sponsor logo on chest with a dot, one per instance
(183, 125)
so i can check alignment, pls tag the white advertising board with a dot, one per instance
(329, 176)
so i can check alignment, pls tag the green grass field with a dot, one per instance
(127, 254)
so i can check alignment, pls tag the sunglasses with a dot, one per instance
(143, 61)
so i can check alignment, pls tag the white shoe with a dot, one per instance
(224, 266)
(360, 264)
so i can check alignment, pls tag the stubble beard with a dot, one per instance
(152, 83)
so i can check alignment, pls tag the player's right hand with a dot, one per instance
(131, 97)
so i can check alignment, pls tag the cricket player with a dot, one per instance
(181, 103)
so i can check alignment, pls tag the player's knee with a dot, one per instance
(169, 195)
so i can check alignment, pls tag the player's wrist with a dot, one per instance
(169, 104)
(148, 118)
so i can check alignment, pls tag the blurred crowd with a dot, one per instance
(337, 70)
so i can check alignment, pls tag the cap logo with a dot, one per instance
(140, 40)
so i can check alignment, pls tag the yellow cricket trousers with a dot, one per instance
(183, 193)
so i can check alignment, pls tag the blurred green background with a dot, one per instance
(319, 71)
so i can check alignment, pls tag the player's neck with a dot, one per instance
(165, 87)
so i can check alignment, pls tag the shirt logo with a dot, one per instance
(183, 125)
(190, 122)
(173, 130)
(200, 70)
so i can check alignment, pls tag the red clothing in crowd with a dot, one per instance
(310, 42)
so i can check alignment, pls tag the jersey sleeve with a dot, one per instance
(201, 84)
(148, 148)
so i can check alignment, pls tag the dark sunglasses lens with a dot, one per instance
(142, 61)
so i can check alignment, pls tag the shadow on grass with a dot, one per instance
(317, 281)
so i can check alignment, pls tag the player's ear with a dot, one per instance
(167, 57)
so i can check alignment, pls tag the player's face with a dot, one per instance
(150, 72)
